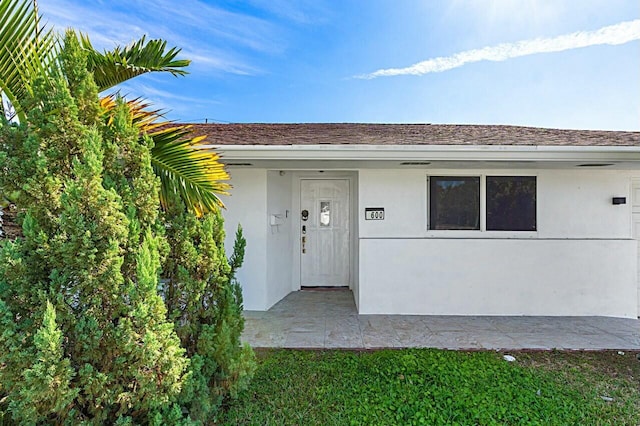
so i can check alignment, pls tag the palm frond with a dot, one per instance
(141, 115)
(189, 170)
(113, 67)
(25, 50)
(184, 167)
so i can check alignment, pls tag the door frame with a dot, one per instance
(351, 177)
(635, 183)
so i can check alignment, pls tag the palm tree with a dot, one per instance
(26, 49)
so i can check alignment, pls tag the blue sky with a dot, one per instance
(562, 64)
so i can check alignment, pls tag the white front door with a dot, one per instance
(324, 232)
(635, 199)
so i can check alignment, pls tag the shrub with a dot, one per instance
(205, 302)
(85, 335)
(88, 334)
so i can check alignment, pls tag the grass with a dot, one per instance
(426, 386)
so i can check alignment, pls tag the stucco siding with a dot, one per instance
(581, 260)
(498, 277)
(577, 204)
(247, 206)
(279, 237)
(570, 203)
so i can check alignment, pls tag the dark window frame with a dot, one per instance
(524, 216)
(473, 215)
(482, 202)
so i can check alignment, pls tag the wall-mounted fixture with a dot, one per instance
(374, 213)
(276, 219)
(619, 200)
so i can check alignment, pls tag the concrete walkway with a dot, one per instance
(328, 319)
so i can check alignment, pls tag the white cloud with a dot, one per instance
(216, 60)
(213, 38)
(155, 94)
(621, 33)
(299, 11)
(168, 103)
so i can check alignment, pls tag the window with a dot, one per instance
(325, 213)
(511, 203)
(454, 202)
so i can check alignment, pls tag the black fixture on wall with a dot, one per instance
(619, 200)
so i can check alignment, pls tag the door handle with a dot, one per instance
(304, 241)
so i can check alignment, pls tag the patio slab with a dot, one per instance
(329, 320)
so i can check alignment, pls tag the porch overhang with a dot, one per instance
(326, 156)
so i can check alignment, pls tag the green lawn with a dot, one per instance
(407, 387)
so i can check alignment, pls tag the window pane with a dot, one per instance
(454, 202)
(325, 213)
(511, 203)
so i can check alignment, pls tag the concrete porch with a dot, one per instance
(329, 320)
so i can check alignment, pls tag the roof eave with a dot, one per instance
(430, 152)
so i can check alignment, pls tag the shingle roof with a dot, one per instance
(407, 134)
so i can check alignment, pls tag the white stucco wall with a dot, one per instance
(571, 203)
(581, 260)
(279, 237)
(355, 255)
(577, 204)
(498, 277)
(247, 206)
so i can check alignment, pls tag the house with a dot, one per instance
(437, 219)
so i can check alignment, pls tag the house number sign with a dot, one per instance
(374, 213)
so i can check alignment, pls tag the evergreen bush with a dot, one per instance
(205, 302)
(85, 334)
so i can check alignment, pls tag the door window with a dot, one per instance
(325, 213)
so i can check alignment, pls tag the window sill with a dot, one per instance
(481, 234)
